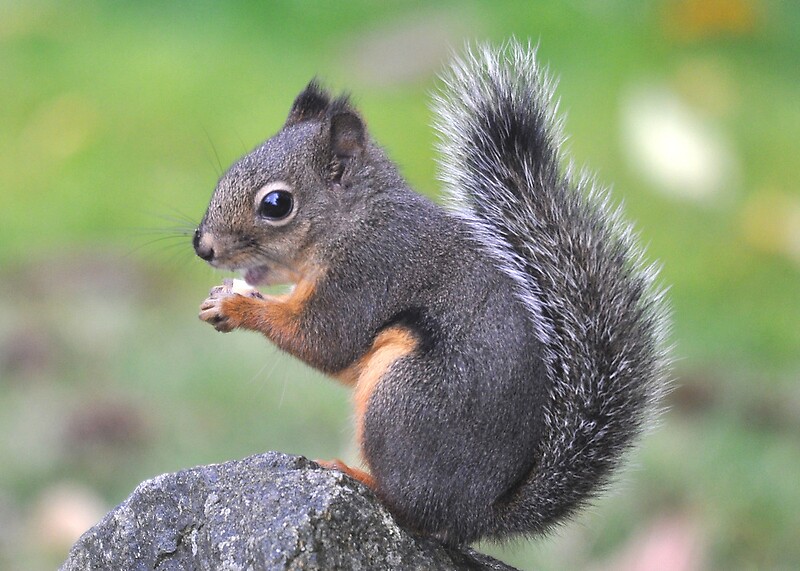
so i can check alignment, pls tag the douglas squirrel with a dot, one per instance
(503, 353)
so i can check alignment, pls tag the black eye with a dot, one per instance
(276, 205)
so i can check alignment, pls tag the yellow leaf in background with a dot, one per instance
(771, 223)
(692, 20)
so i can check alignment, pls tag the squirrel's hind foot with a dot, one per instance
(355, 473)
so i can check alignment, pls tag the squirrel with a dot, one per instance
(504, 353)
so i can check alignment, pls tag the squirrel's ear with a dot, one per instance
(312, 103)
(347, 135)
(348, 138)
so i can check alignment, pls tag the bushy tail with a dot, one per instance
(577, 269)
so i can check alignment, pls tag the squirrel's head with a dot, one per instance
(277, 208)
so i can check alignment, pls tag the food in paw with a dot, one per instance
(241, 287)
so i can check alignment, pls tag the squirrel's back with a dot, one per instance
(576, 270)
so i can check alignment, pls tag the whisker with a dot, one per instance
(239, 136)
(266, 371)
(174, 232)
(283, 390)
(179, 222)
(183, 257)
(220, 170)
(161, 241)
(174, 215)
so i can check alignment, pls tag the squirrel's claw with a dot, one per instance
(360, 475)
(211, 312)
(211, 308)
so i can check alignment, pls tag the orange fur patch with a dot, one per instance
(360, 475)
(389, 346)
(277, 317)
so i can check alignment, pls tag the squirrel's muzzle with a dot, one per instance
(203, 245)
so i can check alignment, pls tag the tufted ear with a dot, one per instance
(347, 135)
(312, 103)
(347, 140)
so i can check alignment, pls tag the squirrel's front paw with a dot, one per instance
(212, 310)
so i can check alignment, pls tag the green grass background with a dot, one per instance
(117, 118)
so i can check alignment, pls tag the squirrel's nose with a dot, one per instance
(203, 245)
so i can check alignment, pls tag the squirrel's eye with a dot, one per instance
(276, 205)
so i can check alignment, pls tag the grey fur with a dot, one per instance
(539, 334)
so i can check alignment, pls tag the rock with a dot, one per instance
(269, 511)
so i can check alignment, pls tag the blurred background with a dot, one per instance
(117, 118)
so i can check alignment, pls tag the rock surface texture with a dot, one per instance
(269, 511)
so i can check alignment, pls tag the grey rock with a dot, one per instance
(269, 511)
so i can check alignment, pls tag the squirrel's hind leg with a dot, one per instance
(366, 373)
